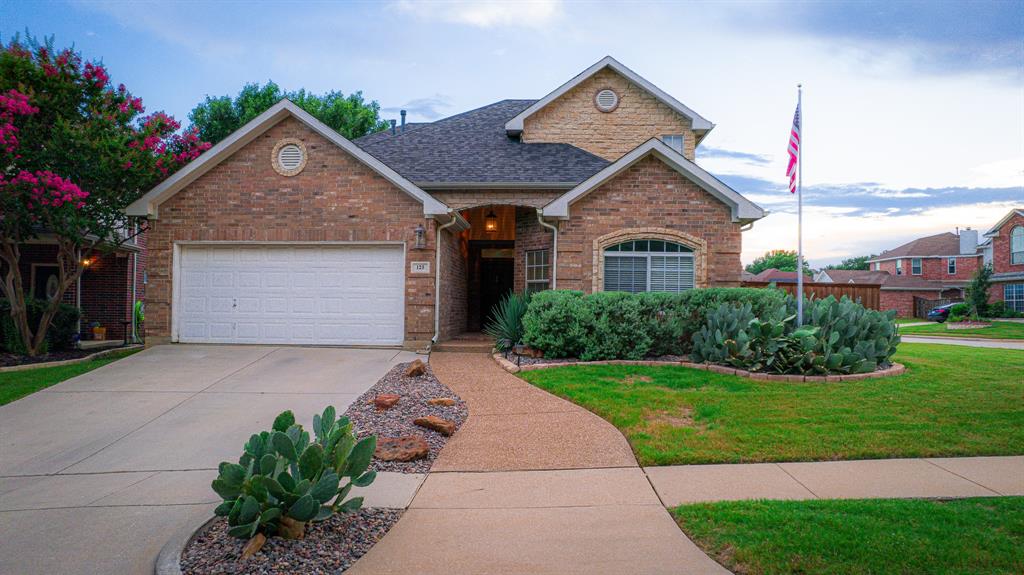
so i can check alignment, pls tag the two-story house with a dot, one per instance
(286, 232)
(1004, 249)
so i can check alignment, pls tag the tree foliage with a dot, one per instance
(217, 117)
(75, 151)
(977, 291)
(854, 263)
(782, 260)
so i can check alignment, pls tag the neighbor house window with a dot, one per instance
(1017, 245)
(899, 267)
(538, 270)
(1013, 296)
(878, 266)
(648, 265)
(674, 141)
(915, 266)
(951, 266)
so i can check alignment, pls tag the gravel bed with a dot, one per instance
(330, 546)
(524, 360)
(397, 421)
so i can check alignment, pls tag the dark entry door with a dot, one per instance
(496, 280)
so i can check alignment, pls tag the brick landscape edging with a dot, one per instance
(83, 359)
(893, 370)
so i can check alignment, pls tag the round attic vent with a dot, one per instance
(606, 100)
(289, 157)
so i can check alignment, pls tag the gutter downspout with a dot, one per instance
(554, 247)
(437, 276)
(131, 306)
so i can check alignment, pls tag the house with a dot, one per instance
(286, 232)
(772, 275)
(112, 282)
(1004, 249)
(851, 276)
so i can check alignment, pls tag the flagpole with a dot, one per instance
(800, 212)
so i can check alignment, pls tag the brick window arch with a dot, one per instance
(661, 237)
(1017, 245)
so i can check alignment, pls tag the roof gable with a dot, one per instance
(699, 123)
(148, 205)
(743, 210)
(995, 229)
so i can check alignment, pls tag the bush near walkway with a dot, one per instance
(953, 401)
(877, 536)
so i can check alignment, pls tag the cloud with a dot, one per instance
(704, 152)
(426, 108)
(486, 13)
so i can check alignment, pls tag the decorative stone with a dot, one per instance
(405, 448)
(416, 369)
(289, 528)
(445, 401)
(436, 423)
(386, 401)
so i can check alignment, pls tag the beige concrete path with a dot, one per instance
(876, 478)
(513, 425)
(967, 341)
(531, 484)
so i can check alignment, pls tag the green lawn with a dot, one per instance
(999, 330)
(857, 537)
(903, 320)
(17, 384)
(953, 400)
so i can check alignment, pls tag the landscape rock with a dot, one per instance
(445, 401)
(416, 369)
(252, 546)
(386, 401)
(436, 423)
(405, 448)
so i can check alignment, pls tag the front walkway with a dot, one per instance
(968, 341)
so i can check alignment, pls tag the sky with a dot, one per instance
(913, 111)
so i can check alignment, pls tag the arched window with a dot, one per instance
(648, 265)
(1017, 245)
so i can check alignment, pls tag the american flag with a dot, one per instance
(794, 150)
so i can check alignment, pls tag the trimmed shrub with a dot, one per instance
(616, 327)
(960, 309)
(61, 334)
(999, 309)
(555, 323)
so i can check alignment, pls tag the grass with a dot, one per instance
(999, 330)
(952, 401)
(876, 536)
(903, 320)
(17, 384)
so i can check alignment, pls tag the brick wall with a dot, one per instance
(530, 235)
(335, 198)
(936, 268)
(454, 292)
(462, 199)
(1001, 247)
(650, 195)
(106, 294)
(574, 119)
(902, 301)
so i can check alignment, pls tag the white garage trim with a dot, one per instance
(177, 279)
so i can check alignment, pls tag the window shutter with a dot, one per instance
(625, 273)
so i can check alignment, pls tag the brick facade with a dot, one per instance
(649, 194)
(1001, 247)
(574, 119)
(530, 235)
(454, 297)
(335, 198)
(902, 300)
(936, 268)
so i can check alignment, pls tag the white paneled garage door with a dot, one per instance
(278, 294)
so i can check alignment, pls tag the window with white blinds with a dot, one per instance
(648, 265)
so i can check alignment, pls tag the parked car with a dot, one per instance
(940, 313)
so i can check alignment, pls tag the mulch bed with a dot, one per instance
(397, 421)
(10, 359)
(330, 546)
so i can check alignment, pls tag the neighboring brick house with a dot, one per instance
(286, 232)
(109, 286)
(1004, 249)
(771, 275)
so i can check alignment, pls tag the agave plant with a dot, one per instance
(283, 480)
(506, 322)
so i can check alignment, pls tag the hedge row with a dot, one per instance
(61, 334)
(617, 325)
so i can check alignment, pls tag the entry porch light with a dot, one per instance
(491, 223)
(421, 235)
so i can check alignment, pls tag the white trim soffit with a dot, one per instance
(698, 122)
(148, 204)
(743, 210)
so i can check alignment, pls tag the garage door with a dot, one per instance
(312, 295)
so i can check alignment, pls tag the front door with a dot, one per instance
(491, 273)
(496, 277)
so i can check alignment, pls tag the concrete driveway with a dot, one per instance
(96, 473)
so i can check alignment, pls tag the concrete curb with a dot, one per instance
(893, 370)
(168, 562)
(84, 359)
(958, 336)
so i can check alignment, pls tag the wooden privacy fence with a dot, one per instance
(922, 306)
(866, 294)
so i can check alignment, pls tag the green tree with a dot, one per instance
(74, 152)
(977, 290)
(782, 260)
(856, 263)
(217, 117)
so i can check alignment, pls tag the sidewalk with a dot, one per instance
(876, 478)
(970, 342)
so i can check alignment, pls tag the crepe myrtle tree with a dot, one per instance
(75, 150)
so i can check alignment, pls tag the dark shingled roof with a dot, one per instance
(473, 147)
(944, 244)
